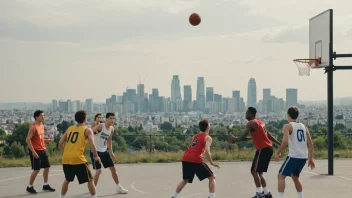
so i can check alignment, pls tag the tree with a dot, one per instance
(2, 133)
(64, 125)
(166, 126)
(17, 150)
(20, 134)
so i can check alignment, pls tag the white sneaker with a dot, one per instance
(121, 190)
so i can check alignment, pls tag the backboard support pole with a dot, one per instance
(330, 80)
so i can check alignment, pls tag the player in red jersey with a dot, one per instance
(192, 161)
(262, 141)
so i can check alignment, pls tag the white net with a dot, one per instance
(304, 66)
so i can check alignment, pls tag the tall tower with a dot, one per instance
(175, 89)
(252, 93)
(291, 97)
(200, 94)
(266, 100)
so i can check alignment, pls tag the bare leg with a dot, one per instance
(114, 175)
(46, 175)
(297, 182)
(33, 176)
(96, 176)
(64, 187)
(212, 183)
(262, 180)
(281, 183)
(256, 179)
(91, 188)
(181, 185)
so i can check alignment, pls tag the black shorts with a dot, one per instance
(41, 162)
(262, 159)
(200, 169)
(105, 160)
(82, 171)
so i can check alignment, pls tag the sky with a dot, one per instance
(93, 49)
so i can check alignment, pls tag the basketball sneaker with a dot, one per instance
(121, 190)
(268, 195)
(259, 195)
(31, 190)
(47, 188)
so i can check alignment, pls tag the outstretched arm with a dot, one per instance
(249, 128)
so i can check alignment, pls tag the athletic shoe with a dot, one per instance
(121, 190)
(31, 190)
(259, 195)
(268, 195)
(47, 188)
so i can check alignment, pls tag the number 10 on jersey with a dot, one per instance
(300, 135)
(72, 137)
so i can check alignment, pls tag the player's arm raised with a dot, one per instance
(287, 129)
(208, 141)
(249, 127)
(111, 152)
(311, 163)
(29, 143)
(89, 134)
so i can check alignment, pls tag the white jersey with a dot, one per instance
(297, 141)
(100, 139)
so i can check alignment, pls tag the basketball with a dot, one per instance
(194, 19)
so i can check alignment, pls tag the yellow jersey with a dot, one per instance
(75, 144)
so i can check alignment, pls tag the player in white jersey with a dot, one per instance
(300, 147)
(103, 142)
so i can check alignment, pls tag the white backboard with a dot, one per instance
(320, 37)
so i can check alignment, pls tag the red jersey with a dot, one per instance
(260, 137)
(195, 150)
(38, 138)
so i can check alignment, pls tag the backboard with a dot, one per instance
(320, 37)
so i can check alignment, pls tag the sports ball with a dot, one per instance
(194, 19)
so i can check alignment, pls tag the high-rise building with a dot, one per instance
(217, 98)
(236, 95)
(55, 104)
(156, 100)
(175, 89)
(252, 93)
(291, 97)
(267, 100)
(187, 95)
(200, 94)
(89, 105)
(209, 94)
(140, 95)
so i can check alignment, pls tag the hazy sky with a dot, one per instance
(78, 49)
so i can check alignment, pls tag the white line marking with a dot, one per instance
(311, 173)
(26, 176)
(346, 178)
(134, 188)
(191, 195)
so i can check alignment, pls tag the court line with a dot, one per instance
(134, 188)
(27, 176)
(346, 178)
(311, 173)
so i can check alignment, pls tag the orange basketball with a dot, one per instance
(194, 19)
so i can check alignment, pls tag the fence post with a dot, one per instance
(150, 143)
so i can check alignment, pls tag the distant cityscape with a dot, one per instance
(206, 100)
(136, 108)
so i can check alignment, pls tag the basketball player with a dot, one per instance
(300, 148)
(103, 141)
(192, 161)
(97, 120)
(37, 152)
(262, 141)
(73, 160)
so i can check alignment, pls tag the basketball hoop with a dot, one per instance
(304, 65)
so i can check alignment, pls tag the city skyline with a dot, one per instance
(74, 49)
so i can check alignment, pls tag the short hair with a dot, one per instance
(203, 125)
(95, 117)
(293, 112)
(252, 110)
(109, 114)
(37, 113)
(80, 116)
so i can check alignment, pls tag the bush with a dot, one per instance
(17, 150)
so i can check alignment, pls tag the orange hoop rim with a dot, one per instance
(309, 61)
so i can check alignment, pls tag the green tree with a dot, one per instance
(20, 133)
(2, 133)
(64, 125)
(166, 126)
(17, 150)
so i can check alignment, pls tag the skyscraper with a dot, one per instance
(291, 97)
(209, 94)
(236, 95)
(187, 95)
(252, 93)
(140, 95)
(200, 94)
(89, 105)
(175, 89)
(267, 100)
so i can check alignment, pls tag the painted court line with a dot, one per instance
(134, 188)
(194, 194)
(346, 178)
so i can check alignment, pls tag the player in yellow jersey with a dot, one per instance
(73, 160)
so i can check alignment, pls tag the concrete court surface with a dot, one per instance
(160, 180)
